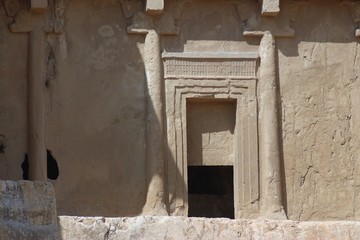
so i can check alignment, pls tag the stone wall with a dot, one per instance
(96, 100)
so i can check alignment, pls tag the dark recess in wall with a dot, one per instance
(52, 167)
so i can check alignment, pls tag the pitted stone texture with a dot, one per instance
(27, 202)
(11, 230)
(27, 210)
(202, 228)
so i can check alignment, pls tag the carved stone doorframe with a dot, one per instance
(213, 76)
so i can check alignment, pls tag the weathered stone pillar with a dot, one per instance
(33, 24)
(36, 106)
(270, 155)
(154, 127)
(153, 28)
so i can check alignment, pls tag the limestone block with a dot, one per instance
(27, 210)
(270, 7)
(154, 7)
(27, 202)
(38, 5)
(202, 228)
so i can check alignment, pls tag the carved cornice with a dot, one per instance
(141, 22)
(257, 23)
(40, 16)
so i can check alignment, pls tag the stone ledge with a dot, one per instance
(201, 228)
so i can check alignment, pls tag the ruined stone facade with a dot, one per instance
(129, 98)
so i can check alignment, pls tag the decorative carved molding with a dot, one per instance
(26, 20)
(246, 162)
(210, 66)
(213, 75)
(141, 23)
(257, 23)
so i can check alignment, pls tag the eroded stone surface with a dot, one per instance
(27, 210)
(96, 100)
(201, 228)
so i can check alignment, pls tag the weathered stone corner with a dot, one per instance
(154, 7)
(270, 8)
(38, 6)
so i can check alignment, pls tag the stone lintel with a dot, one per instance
(154, 7)
(270, 8)
(206, 55)
(38, 6)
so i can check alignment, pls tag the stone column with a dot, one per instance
(154, 127)
(270, 156)
(33, 22)
(36, 106)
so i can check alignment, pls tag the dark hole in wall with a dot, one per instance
(25, 167)
(2, 144)
(211, 191)
(52, 167)
(2, 148)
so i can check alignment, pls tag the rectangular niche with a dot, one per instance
(232, 92)
(210, 131)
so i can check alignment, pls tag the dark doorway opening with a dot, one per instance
(211, 191)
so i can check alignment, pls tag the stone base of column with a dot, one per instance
(274, 214)
(154, 205)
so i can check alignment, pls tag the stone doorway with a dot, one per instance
(210, 154)
(195, 85)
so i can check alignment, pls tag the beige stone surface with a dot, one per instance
(210, 127)
(27, 211)
(202, 228)
(270, 7)
(99, 99)
(38, 5)
(154, 7)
